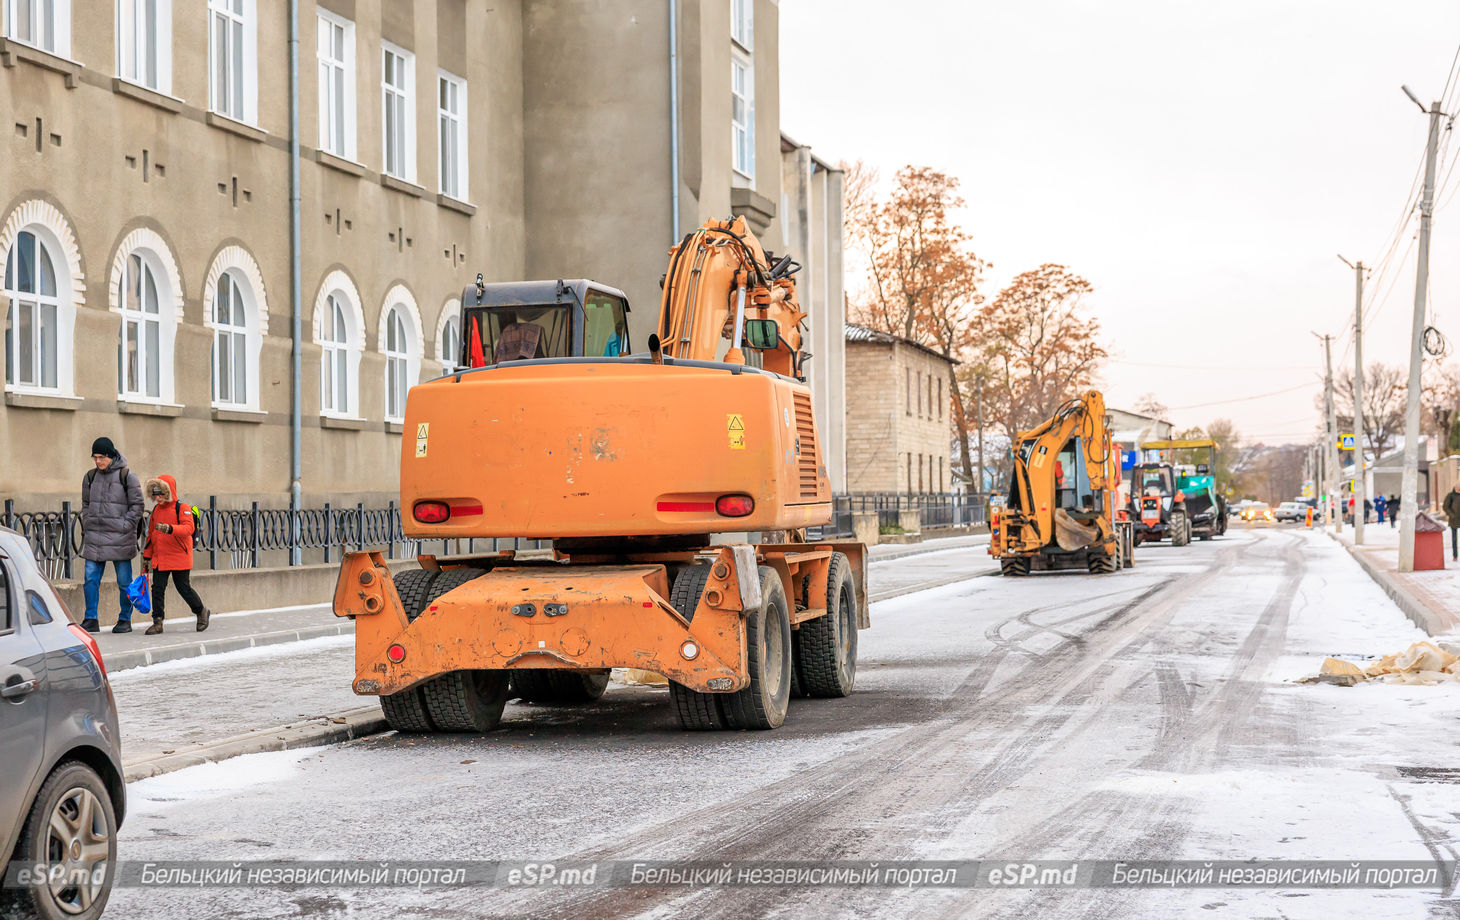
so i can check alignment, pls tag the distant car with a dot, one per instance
(61, 791)
(1291, 511)
(1257, 511)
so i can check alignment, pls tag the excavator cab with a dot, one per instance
(529, 320)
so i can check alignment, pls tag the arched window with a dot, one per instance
(397, 363)
(450, 344)
(31, 354)
(335, 372)
(230, 343)
(139, 350)
(237, 311)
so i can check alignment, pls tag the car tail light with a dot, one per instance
(432, 512)
(91, 645)
(734, 505)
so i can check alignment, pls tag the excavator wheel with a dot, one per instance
(696, 711)
(406, 711)
(763, 704)
(1103, 563)
(1017, 565)
(461, 701)
(548, 685)
(825, 660)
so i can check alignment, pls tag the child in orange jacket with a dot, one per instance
(168, 552)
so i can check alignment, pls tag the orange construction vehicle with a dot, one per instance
(1063, 509)
(629, 464)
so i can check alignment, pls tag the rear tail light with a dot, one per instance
(91, 645)
(431, 512)
(396, 653)
(734, 505)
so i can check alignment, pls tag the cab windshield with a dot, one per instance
(498, 334)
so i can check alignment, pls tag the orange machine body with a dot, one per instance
(611, 447)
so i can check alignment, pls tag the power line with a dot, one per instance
(1213, 367)
(1222, 402)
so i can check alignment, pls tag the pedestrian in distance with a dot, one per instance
(1393, 509)
(1452, 513)
(169, 552)
(1368, 510)
(111, 519)
(1380, 504)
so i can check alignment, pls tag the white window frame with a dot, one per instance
(138, 23)
(44, 356)
(54, 36)
(742, 134)
(231, 339)
(448, 337)
(396, 345)
(336, 88)
(138, 267)
(451, 137)
(742, 23)
(236, 264)
(337, 383)
(239, 99)
(401, 98)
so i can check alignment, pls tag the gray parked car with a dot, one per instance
(61, 792)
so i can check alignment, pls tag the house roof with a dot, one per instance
(862, 334)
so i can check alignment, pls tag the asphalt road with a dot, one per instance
(1036, 718)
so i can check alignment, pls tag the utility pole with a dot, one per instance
(1361, 487)
(1333, 508)
(979, 489)
(1409, 493)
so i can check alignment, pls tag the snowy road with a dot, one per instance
(1147, 715)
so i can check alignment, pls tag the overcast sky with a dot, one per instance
(1200, 164)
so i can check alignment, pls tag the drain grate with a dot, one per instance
(1431, 774)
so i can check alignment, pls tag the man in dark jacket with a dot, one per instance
(1452, 512)
(111, 512)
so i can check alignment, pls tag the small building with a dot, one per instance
(899, 428)
(1130, 429)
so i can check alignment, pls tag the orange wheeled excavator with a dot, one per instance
(629, 464)
(1063, 510)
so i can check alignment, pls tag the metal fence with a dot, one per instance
(231, 538)
(939, 509)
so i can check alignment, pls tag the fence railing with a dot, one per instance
(232, 538)
(243, 538)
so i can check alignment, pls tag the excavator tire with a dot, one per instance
(466, 701)
(826, 648)
(1018, 565)
(548, 685)
(696, 711)
(406, 711)
(763, 704)
(1101, 563)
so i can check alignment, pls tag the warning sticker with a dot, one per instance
(423, 431)
(735, 428)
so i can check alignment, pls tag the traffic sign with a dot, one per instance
(1345, 442)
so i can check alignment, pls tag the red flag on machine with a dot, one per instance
(478, 358)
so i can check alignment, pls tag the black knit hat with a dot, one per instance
(105, 447)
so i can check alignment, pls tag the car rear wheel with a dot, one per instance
(71, 836)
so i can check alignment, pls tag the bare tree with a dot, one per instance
(1441, 401)
(1385, 386)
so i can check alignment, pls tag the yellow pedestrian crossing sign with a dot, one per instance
(1345, 442)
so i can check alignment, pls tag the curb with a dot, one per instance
(354, 723)
(122, 661)
(888, 557)
(1419, 614)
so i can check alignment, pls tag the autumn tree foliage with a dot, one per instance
(922, 277)
(1040, 347)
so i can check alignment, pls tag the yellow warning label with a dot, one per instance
(423, 431)
(735, 428)
(420, 449)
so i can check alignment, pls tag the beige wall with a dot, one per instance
(889, 432)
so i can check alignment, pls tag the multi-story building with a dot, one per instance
(151, 291)
(899, 427)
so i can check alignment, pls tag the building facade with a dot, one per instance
(899, 424)
(145, 210)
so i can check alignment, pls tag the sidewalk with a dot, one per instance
(1430, 599)
(274, 692)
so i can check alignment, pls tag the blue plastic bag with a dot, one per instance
(140, 594)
